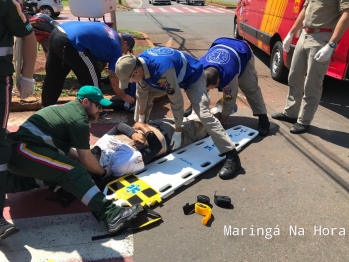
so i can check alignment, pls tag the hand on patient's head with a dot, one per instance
(138, 137)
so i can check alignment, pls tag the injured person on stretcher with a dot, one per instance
(125, 149)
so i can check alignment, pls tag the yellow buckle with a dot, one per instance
(204, 210)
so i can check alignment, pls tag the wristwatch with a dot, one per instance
(332, 44)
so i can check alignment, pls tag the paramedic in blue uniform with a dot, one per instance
(228, 64)
(166, 69)
(78, 46)
(323, 23)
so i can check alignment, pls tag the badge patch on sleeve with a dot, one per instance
(227, 90)
(165, 85)
(227, 97)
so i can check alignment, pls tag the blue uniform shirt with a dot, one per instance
(229, 56)
(160, 59)
(101, 41)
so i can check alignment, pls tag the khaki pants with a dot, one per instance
(306, 77)
(146, 102)
(248, 82)
(200, 102)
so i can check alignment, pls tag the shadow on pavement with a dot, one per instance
(338, 138)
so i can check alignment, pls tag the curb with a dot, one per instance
(222, 6)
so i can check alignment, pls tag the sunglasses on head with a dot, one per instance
(99, 106)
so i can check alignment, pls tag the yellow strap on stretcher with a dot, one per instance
(134, 190)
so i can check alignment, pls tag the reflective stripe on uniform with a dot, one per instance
(183, 70)
(4, 51)
(40, 183)
(8, 95)
(90, 67)
(234, 53)
(89, 195)
(3, 167)
(47, 161)
(36, 131)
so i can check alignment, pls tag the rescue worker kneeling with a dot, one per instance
(41, 149)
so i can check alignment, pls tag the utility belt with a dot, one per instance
(317, 30)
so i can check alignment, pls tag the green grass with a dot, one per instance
(134, 33)
(222, 3)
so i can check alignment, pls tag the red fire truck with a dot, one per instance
(265, 23)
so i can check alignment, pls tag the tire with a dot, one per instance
(56, 14)
(177, 1)
(236, 31)
(47, 10)
(202, 4)
(188, 2)
(278, 70)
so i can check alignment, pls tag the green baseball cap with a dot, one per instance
(94, 94)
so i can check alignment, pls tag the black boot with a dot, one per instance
(6, 229)
(231, 165)
(123, 217)
(263, 125)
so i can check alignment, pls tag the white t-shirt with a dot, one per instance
(120, 157)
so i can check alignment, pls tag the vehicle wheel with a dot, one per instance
(47, 10)
(188, 2)
(56, 14)
(202, 4)
(236, 30)
(278, 70)
(170, 3)
(177, 1)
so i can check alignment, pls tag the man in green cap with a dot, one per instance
(42, 148)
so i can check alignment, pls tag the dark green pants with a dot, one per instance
(44, 163)
(5, 150)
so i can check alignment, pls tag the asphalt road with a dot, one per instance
(293, 188)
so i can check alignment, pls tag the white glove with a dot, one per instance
(25, 86)
(176, 140)
(141, 118)
(324, 54)
(287, 41)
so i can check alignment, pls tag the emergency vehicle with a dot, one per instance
(265, 23)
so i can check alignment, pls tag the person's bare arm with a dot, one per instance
(341, 27)
(29, 55)
(90, 162)
(114, 81)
